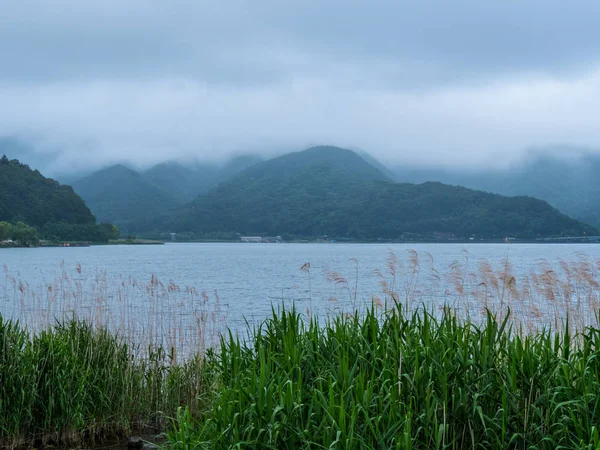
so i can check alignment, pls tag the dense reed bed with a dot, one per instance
(397, 381)
(475, 355)
(76, 383)
(147, 314)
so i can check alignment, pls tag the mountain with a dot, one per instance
(33, 206)
(572, 186)
(140, 201)
(122, 196)
(28, 196)
(184, 183)
(335, 192)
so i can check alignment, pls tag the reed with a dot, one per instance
(398, 381)
(468, 356)
(77, 383)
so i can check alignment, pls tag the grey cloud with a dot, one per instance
(427, 41)
(454, 83)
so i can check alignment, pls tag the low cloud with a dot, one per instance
(468, 84)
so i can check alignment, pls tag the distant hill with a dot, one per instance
(27, 195)
(141, 201)
(122, 196)
(335, 192)
(186, 181)
(573, 186)
(182, 182)
(33, 206)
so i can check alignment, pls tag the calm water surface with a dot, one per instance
(242, 281)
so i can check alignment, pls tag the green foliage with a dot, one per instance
(20, 232)
(62, 231)
(32, 206)
(29, 197)
(24, 234)
(385, 381)
(75, 382)
(334, 192)
(5, 231)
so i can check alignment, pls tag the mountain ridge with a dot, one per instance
(572, 186)
(333, 191)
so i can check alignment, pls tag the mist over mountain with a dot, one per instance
(572, 185)
(141, 200)
(122, 196)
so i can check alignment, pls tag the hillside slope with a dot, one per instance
(183, 183)
(186, 182)
(143, 201)
(573, 186)
(335, 192)
(122, 196)
(26, 195)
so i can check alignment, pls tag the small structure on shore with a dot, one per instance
(251, 238)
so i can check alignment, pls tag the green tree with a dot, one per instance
(25, 234)
(5, 231)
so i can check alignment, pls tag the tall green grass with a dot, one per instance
(398, 382)
(74, 383)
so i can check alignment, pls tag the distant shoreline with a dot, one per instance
(157, 242)
(386, 242)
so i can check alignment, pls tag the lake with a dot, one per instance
(187, 293)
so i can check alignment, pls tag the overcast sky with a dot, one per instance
(427, 82)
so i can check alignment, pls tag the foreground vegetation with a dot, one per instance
(375, 381)
(500, 368)
(74, 383)
(399, 382)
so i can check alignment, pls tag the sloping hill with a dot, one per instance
(28, 196)
(141, 202)
(122, 196)
(573, 187)
(182, 182)
(186, 182)
(328, 190)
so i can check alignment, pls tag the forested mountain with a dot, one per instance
(186, 182)
(141, 201)
(182, 182)
(573, 186)
(26, 195)
(33, 206)
(335, 192)
(122, 196)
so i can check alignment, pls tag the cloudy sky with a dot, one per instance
(426, 82)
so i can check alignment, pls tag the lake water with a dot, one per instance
(191, 292)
